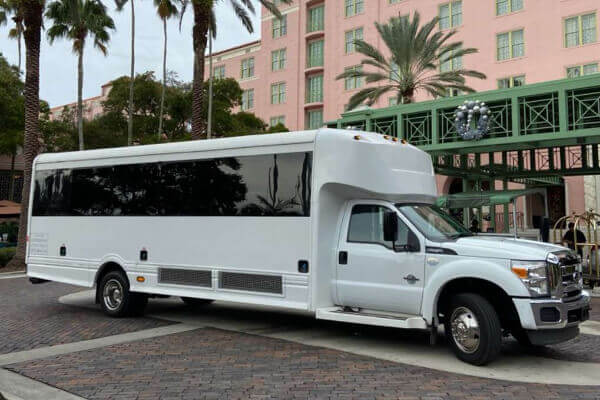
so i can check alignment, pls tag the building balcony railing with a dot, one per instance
(556, 113)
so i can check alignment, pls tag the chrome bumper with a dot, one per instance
(538, 314)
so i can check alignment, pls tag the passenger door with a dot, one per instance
(370, 273)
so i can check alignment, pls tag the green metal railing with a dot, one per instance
(549, 114)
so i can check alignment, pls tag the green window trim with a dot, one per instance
(219, 72)
(354, 7)
(511, 81)
(279, 119)
(279, 27)
(314, 89)
(278, 93)
(580, 30)
(314, 119)
(504, 7)
(315, 53)
(513, 45)
(582, 70)
(278, 59)
(247, 99)
(452, 63)
(247, 68)
(316, 19)
(350, 37)
(354, 82)
(450, 15)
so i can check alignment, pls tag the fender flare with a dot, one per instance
(109, 259)
(492, 271)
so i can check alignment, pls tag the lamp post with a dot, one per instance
(210, 86)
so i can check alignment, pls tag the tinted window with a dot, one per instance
(366, 226)
(265, 185)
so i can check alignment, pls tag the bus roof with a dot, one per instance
(238, 142)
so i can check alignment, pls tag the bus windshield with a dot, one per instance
(432, 222)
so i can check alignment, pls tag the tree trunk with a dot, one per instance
(202, 13)
(19, 49)
(131, 77)
(11, 179)
(33, 10)
(164, 83)
(80, 98)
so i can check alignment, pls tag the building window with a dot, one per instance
(508, 6)
(392, 101)
(510, 45)
(247, 99)
(278, 93)
(248, 68)
(278, 59)
(510, 82)
(580, 30)
(352, 83)
(314, 119)
(394, 1)
(219, 72)
(279, 26)
(316, 19)
(354, 7)
(315, 54)
(451, 63)
(351, 37)
(450, 15)
(274, 121)
(314, 89)
(581, 70)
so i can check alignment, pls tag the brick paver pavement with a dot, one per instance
(32, 317)
(216, 364)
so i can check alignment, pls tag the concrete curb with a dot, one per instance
(18, 387)
(12, 275)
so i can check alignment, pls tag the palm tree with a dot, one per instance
(14, 7)
(120, 4)
(417, 53)
(33, 11)
(165, 9)
(204, 21)
(77, 20)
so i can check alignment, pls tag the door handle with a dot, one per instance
(343, 257)
(411, 278)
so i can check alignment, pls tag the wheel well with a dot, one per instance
(502, 303)
(105, 269)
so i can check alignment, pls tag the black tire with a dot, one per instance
(486, 345)
(194, 302)
(130, 303)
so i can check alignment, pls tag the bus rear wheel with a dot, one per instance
(116, 299)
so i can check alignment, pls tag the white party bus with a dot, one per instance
(334, 222)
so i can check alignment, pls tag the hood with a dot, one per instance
(491, 246)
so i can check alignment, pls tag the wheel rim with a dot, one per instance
(113, 294)
(465, 330)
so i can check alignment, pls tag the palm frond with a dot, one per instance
(242, 15)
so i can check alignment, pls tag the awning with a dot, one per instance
(480, 199)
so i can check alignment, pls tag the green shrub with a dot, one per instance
(6, 254)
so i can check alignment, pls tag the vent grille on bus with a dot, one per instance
(186, 277)
(251, 282)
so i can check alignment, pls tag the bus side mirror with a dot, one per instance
(390, 226)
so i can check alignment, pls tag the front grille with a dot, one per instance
(565, 277)
(251, 282)
(187, 277)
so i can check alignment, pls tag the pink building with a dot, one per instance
(92, 106)
(289, 75)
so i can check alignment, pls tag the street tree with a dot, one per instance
(78, 20)
(14, 9)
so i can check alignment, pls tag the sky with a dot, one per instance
(58, 64)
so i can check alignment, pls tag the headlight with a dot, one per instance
(533, 274)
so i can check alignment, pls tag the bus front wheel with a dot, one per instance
(116, 299)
